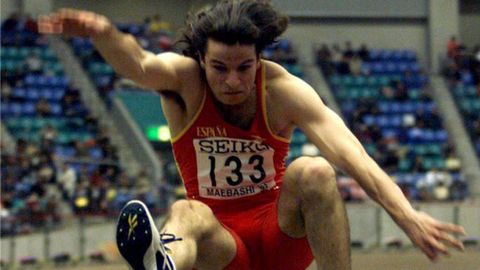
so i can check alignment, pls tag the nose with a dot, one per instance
(233, 80)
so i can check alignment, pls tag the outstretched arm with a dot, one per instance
(119, 49)
(328, 132)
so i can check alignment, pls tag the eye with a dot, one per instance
(220, 68)
(243, 68)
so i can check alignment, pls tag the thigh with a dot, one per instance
(290, 217)
(280, 251)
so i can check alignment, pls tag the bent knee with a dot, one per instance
(195, 213)
(314, 175)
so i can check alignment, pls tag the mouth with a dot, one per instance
(232, 93)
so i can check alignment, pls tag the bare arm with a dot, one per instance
(120, 50)
(328, 132)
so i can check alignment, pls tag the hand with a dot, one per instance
(71, 22)
(432, 236)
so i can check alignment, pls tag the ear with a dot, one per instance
(202, 60)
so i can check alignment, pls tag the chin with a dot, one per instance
(232, 101)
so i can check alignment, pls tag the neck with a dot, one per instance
(239, 115)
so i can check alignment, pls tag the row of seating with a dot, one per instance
(34, 94)
(37, 123)
(20, 53)
(377, 80)
(10, 109)
(63, 138)
(393, 107)
(389, 67)
(392, 55)
(347, 94)
(46, 81)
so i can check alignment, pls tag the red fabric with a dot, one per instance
(261, 242)
(208, 118)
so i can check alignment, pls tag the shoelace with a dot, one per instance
(166, 238)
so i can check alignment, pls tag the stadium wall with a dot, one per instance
(369, 224)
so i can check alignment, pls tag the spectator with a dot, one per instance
(355, 65)
(34, 64)
(48, 133)
(324, 59)
(81, 151)
(441, 191)
(157, 25)
(6, 90)
(401, 92)
(11, 24)
(67, 180)
(336, 54)
(452, 163)
(343, 67)
(364, 53)
(453, 48)
(348, 53)
(43, 108)
(458, 190)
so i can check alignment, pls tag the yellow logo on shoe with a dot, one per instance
(132, 224)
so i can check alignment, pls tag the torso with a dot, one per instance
(224, 154)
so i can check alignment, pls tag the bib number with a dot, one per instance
(235, 164)
(235, 170)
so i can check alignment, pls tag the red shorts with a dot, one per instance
(261, 245)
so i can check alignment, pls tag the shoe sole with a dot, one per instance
(135, 235)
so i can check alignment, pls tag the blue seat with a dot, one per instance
(390, 132)
(441, 136)
(390, 68)
(16, 108)
(386, 55)
(5, 108)
(28, 108)
(56, 109)
(374, 55)
(19, 92)
(65, 151)
(96, 153)
(32, 93)
(378, 68)
(369, 120)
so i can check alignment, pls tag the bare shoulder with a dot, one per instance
(287, 93)
(183, 65)
(280, 82)
(274, 71)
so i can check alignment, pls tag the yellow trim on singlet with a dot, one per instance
(264, 107)
(197, 114)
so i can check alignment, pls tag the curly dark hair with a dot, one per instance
(230, 22)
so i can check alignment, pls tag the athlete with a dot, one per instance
(231, 116)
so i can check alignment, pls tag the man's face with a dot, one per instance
(230, 71)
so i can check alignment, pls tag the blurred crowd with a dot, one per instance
(462, 70)
(394, 149)
(51, 176)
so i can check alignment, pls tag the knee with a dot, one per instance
(197, 214)
(316, 179)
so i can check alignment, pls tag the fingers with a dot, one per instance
(438, 246)
(71, 22)
(451, 228)
(450, 240)
(49, 24)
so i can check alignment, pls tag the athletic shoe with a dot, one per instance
(138, 240)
